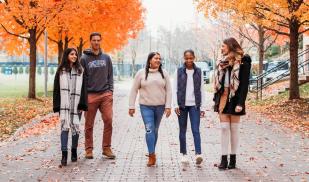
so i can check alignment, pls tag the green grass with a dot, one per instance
(17, 85)
(304, 90)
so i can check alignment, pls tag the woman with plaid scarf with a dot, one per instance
(231, 88)
(69, 100)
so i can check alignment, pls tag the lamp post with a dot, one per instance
(45, 56)
(45, 63)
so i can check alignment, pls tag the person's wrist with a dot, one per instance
(239, 106)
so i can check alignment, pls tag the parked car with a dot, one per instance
(281, 70)
(205, 70)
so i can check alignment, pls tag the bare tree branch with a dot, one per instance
(304, 31)
(17, 35)
(263, 7)
(248, 37)
(40, 32)
(304, 22)
(52, 40)
(271, 43)
(277, 31)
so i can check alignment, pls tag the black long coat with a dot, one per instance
(241, 94)
(83, 101)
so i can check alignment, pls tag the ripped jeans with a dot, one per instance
(152, 116)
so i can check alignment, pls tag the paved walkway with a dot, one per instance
(267, 153)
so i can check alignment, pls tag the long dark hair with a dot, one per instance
(65, 63)
(233, 46)
(150, 56)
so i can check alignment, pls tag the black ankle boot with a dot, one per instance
(64, 158)
(232, 164)
(223, 164)
(74, 155)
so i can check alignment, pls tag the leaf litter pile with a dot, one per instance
(15, 112)
(293, 114)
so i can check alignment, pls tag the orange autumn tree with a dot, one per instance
(67, 24)
(111, 18)
(247, 24)
(116, 20)
(291, 19)
(13, 45)
(283, 17)
(27, 20)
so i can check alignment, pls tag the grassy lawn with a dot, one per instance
(15, 109)
(17, 85)
(292, 114)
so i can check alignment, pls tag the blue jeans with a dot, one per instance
(152, 116)
(64, 140)
(194, 113)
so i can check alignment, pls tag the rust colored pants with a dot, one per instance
(103, 102)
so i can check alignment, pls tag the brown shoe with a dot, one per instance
(89, 154)
(151, 160)
(107, 151)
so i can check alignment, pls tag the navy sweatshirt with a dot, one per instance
(98, 71)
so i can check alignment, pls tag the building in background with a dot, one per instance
(306, 47)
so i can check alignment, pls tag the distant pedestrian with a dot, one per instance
(231, 88)
(155, 95)
(69, 99)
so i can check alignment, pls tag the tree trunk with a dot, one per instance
(32, 56)
(80, 47)
(294, 88)
(261, 50)
(60, 50)
(66, 42)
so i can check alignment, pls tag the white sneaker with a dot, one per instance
(184, 159)
(198, 159)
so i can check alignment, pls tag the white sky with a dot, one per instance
(169, 13)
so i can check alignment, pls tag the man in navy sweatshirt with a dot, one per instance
(99, 76)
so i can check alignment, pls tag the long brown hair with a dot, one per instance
(234, 47)
(65, 63)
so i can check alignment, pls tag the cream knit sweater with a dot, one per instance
(154, 91)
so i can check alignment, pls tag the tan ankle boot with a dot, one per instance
(89, 154)
(107, 151)
(151, 160)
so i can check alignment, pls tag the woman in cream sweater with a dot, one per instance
(155, 95)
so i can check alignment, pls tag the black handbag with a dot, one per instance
(216, 100)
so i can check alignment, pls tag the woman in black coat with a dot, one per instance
(231, 88)
(69, 100)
